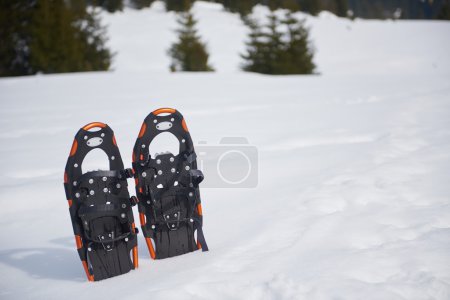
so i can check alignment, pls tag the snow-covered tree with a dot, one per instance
(139, 4)
(189, 52)
(178, 5)
(109, 5)
(271, 50)
(51, 36)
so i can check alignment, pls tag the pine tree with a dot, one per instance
(292, 5)
(256, 48)
(338, 7)
(310, 6)
(53, 36)
(444, 12)
(299, 54)
(243, 7)
(178, 5)
(93, 38)
(109, 5)
(273, 4)
(341, 8)
(265, 48)
(66, 40)
(188, 53)
(275, 47)
(140, 4)
(271, 51)
(14, 37)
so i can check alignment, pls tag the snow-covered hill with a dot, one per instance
(352, 202)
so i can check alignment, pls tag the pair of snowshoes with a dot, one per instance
(168, 197)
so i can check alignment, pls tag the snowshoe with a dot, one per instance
(100, 206)
(167, 187)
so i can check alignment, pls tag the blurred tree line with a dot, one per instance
(400, 9)
(279, 47)
(369, 9)
(56, 36)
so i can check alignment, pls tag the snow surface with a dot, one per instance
(353, 194)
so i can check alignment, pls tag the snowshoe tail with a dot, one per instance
(100, 206)
(170, 210)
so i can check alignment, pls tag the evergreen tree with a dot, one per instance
(256, 48)
(139, 4)
(378, 9)
(109, 5)
(14, 36)
(53, 36)
(242, 7)
(188, 53)
(310, 6)
(271, 51)
(93, 38)
(338, 7)
(265, 48)
(292, 5)
(341, 8)
(275, 46)
(299, 56)
(444, 12)
(178, 5)
(273, 4)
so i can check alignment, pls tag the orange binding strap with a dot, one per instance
(85, 266)
(199, 209)
(142, 219)
(135, 250)
(150, 248)
(135, 257)
(200, 212)
(74, 148)
(93, 125)
(78, 241)
(164, 110)
(114, 140)
(147, 240)
(70, 202)
(183, 124)
(143, 129)
(66, 178)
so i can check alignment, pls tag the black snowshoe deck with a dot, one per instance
(100, 206)
(169, 205)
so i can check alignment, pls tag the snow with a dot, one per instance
(352, 200)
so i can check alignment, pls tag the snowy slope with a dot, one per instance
(353, 200)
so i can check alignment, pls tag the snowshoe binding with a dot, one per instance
(100, 206)
(167, 187)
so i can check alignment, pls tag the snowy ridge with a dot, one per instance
(353, 196)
